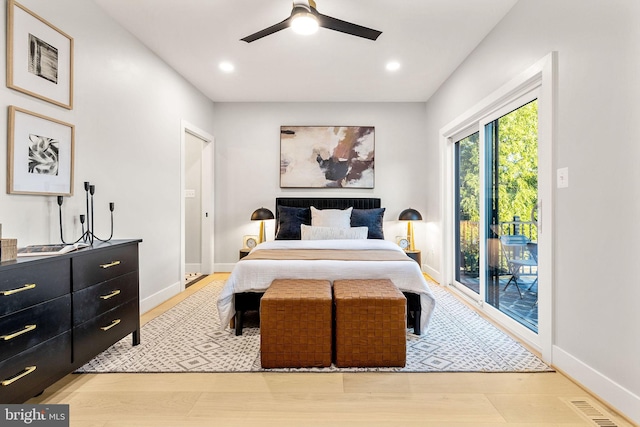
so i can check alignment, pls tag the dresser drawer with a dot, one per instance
(101, 265)
(30, 372)
(97, 299)
(29, 327)
(40, 281)
(96, 335)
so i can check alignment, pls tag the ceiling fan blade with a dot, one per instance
(347, 27)
(267, 31)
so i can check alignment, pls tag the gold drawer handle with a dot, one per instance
(114, 323)
(15, 291)
(17, 334)
(111, 295)
(111, 264)
(26, 372)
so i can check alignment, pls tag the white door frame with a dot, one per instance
(542, 75)
(208, 186)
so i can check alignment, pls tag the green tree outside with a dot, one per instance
(518, 163)
(517, 178)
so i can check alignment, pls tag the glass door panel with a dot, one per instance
(467, 222)
(511, 196)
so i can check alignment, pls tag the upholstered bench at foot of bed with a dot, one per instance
(296, 324)
(370, 323)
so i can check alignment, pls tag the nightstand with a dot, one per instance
(415, 255)
(244, 252)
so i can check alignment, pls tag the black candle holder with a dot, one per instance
(88, 236)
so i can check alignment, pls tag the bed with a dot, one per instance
(292, 255)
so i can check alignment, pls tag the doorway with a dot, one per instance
(196, 205)
(497, 206)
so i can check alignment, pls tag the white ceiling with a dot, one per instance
(429, 38)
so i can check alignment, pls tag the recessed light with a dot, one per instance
(393, 66)
(227, 67)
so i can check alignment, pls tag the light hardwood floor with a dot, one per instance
(318, 399)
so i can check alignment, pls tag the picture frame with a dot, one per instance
(249, 242)
(39, 57)
(327, 156)
(40, 154)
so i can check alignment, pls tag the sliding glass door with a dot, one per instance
(496, 194)
(467, 230)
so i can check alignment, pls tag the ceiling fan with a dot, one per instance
(305, 19)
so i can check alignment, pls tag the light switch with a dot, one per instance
(189, 194)
(563, 177)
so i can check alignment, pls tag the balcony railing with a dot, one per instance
(470, 242)
(528, 228)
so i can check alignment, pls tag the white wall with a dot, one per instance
(127, 112)
(248, 163)
(596, 315)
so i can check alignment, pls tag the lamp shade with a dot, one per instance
(261, 214)
(410, 215)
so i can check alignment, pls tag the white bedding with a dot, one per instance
(257, 275)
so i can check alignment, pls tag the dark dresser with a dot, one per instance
(58, 312)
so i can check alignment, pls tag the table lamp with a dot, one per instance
(410, 215)
(261, 215)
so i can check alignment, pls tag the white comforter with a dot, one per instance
(257, 275)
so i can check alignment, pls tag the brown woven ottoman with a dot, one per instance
(370, 323)
(296, 324)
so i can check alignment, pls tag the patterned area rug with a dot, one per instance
(188, 338)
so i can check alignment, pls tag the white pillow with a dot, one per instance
(308, 232)
(331, 217)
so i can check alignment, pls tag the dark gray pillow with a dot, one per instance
(289, 222)
(371, 218)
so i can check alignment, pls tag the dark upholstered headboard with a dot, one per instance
(296, 212)
(327, 202)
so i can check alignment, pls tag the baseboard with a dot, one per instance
(159, 297)
(613, 394)
(223, 267)
(434, 274)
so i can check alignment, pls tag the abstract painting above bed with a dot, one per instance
(327, 156)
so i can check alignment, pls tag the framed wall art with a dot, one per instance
(39, 57)
(327, 156)
(40, 154)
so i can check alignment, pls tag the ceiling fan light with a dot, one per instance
(304, 23)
